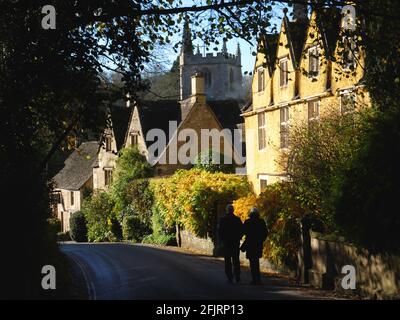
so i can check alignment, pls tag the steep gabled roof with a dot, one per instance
(157, 115)
(270, 42)
(296, 33)
(78, 168)
(328, 22)
(120, 116)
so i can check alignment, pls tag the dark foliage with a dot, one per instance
(77, 223)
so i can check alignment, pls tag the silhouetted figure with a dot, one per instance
(255, 231)
(230, 232)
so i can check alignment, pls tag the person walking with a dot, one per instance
(230, 232)
(255, 231)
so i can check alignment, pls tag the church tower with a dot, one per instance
(300, 12)
(222, 72)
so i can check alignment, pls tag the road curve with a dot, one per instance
(124, 271)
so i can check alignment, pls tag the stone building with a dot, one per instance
(222, 72)
(300, 74)
(173, 117)
(74, 179)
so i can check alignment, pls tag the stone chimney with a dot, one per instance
(198, 84)
(197, 94)
(300, 12)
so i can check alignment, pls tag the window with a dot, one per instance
(347, 102)
(284, 74)
(231, 80)
(134, 139)
(72, 199)
(313, 110)
(207, 78)
(284, 127)
(261, 79)
(108, 143)
(349, 53)
(261, 131)
(263, 185)
(313, 60)
(107, 176)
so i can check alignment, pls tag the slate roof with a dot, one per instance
(227, 112)
(157, 114)
(120, 116)
(78, 168)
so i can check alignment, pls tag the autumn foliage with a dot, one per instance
(193, 197)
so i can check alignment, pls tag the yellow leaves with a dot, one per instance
(243, 205)
(189, 196)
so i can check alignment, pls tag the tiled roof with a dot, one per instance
(78, 168)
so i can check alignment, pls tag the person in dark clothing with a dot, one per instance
(230, 232)
(255, 231)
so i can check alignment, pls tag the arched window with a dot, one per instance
(231, 80)
(207, 77)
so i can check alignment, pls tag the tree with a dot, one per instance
(131, 193)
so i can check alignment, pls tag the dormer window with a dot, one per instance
(313, 62)
(108, 143)
(261, 79)
(284, 73)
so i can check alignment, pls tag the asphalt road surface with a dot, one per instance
(124, 271)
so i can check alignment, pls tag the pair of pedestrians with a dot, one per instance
(231, 230)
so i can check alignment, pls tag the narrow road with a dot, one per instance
(122, 271)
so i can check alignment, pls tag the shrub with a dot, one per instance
(63, 236)
(283, 213)
(78, 229)
(192, 197)
(366, 193)
(160, 239)
(213, 161)
(133, 229)
(98, 211)
(55, 225)
(131, 194)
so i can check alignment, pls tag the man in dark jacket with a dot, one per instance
(255, 231)
(230, 232)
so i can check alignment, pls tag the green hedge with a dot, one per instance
(78, 229)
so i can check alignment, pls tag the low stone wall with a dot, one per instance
(191, 242)
(206, 246)
(377, 275)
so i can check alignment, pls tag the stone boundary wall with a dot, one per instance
(377, 275)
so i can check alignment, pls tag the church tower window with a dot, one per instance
(207, 78)
(231, 80)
